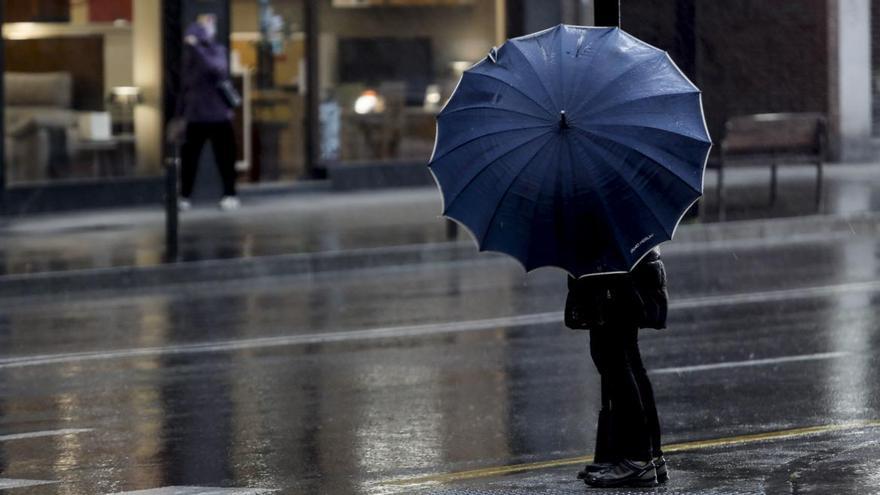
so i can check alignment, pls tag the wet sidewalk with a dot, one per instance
(319, 222)
(814, 460)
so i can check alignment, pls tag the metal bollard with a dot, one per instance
(172, 171)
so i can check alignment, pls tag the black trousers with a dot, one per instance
(222, 137)
(628, 424)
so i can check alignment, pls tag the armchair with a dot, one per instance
(40, 125)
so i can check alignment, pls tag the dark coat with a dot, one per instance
(638, 298)
(205, 66)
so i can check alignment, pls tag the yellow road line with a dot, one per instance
(677, 447)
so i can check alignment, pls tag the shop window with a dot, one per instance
(71, 96)
(387, 68)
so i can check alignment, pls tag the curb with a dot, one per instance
(219, 271)
(146, 278)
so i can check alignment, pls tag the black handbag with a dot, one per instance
(602, 300)
(649, 279)
(229, 93)
(638, 298)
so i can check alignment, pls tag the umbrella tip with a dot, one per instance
(563, 120)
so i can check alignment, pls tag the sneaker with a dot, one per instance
(183, 204)
(229, 203)
(593, 468)
(625, 473)
(662, 472)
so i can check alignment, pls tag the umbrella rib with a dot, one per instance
(538, 76)
(487, 107)
(507, 190)
(607, 211)
(516, 89)
(458, 146)
(635, 189)
(472, 179)
(614, 106)
(638, 65)
(651, 127)
(561, 80)
(532, 222)
(602, 41)
(664, 167)
(526, 262)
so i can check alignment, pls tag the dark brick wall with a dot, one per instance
(657, 23)
(748, 56)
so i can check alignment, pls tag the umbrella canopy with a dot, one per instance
(575, 147)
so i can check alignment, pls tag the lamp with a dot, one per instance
(459, 66)
(369, 102)
(126, 97)
(432, 98)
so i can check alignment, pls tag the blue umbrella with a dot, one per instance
(575, 147)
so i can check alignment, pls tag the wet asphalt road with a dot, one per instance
(358, 382)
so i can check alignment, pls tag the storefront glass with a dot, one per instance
(387, 66)
(72, 99)
(385, 69)
(78, 107)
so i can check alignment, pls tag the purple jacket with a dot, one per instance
(204, 66)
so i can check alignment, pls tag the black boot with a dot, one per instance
(625, 473)
(594, 468)
(604, 457)
(660, 466)
(605, 452)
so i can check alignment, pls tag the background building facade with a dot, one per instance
(348, 89)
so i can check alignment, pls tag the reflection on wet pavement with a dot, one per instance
(149, 391)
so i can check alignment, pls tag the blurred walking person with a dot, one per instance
(206, 104)
(613, 307)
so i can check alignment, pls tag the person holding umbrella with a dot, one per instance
(628, 448)
(582, 148)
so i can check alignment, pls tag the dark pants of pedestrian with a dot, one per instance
(222, 138)
(628, 424)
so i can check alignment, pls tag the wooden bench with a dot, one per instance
(774, 138)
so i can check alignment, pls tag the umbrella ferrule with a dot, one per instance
(563, 120)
